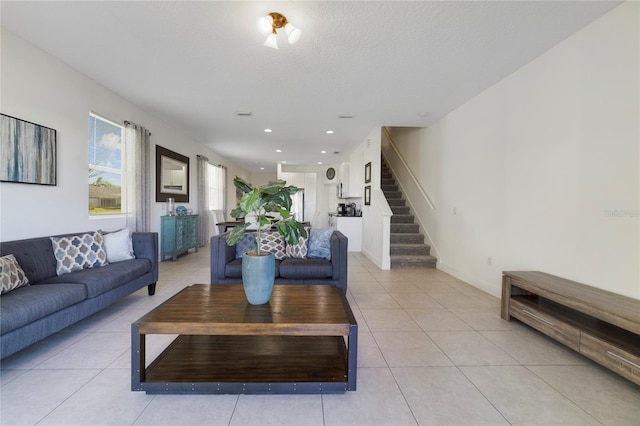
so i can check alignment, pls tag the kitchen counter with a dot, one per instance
(334, 214)
(351, 227)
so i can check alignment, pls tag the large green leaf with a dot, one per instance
(238, 213)
(242, 185)
(236, 234)
(251, 201)
(264, 220)
(273, 187)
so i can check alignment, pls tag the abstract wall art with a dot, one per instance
(27, 152)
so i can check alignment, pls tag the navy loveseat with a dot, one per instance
(225, 268)
(52, 302)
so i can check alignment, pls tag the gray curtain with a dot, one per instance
(203, 201)
(138, 183)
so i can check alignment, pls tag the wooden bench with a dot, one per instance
(600, 325)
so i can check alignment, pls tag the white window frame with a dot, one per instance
(216, 195)
(106, 169)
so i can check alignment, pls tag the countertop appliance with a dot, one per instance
(351, 209)
(342, 209)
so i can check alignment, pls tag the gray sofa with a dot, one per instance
(52, 302)
(225, 268)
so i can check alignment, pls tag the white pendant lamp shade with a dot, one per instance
(271, 41)
(293, 33)
(265, 24)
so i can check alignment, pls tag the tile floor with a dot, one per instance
(432, 351)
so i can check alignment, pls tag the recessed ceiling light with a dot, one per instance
(323, 152)
(278, 150)
(329, 132)
(319, 162)
(268, 130)
(261, 168)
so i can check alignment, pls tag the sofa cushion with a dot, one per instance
(76, 252)
(118, 245)
(302, 269)
(233, 269)
(273, 242)
(320, 243)
(34, 255)
(299, 250)
(101, 280)
(11, 274)
(246, 243)
(27, 304)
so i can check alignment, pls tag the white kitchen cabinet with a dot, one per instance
(343, 179)
(356, 180)
(351, 227)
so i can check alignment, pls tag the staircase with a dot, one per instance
(408, 249)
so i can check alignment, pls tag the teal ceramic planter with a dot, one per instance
(258, 276)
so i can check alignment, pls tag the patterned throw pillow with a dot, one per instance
(299, 250)
(247, 243)
(77, 252)
(11, 274)
(118, 245)
(320, 243)
(273, 243)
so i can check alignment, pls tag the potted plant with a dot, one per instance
(264, 202)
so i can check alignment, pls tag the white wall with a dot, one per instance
(541, 171)
(324, 193)
(375, 217)
(39, 88)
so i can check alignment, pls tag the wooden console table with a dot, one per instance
(600, 325)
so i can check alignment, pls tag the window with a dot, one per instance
(217, 177)
(105, 166)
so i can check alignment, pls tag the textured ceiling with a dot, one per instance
(195, 64)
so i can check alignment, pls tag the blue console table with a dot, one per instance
(178, 234)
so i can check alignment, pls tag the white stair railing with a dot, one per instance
(392, 145)
(419, 202)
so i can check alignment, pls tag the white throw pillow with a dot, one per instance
(119, 245)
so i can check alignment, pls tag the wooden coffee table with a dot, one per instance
(305, 340)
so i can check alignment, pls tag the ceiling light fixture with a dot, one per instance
(268, 130)
(271, 23)
(329, 132)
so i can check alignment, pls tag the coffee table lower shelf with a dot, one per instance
(203, 364)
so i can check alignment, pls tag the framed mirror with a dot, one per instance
(172, 175)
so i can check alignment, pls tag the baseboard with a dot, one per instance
(489, 288)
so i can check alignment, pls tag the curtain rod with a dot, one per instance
(206, 159)
(127, 122)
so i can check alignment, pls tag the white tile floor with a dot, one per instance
(432, 351)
